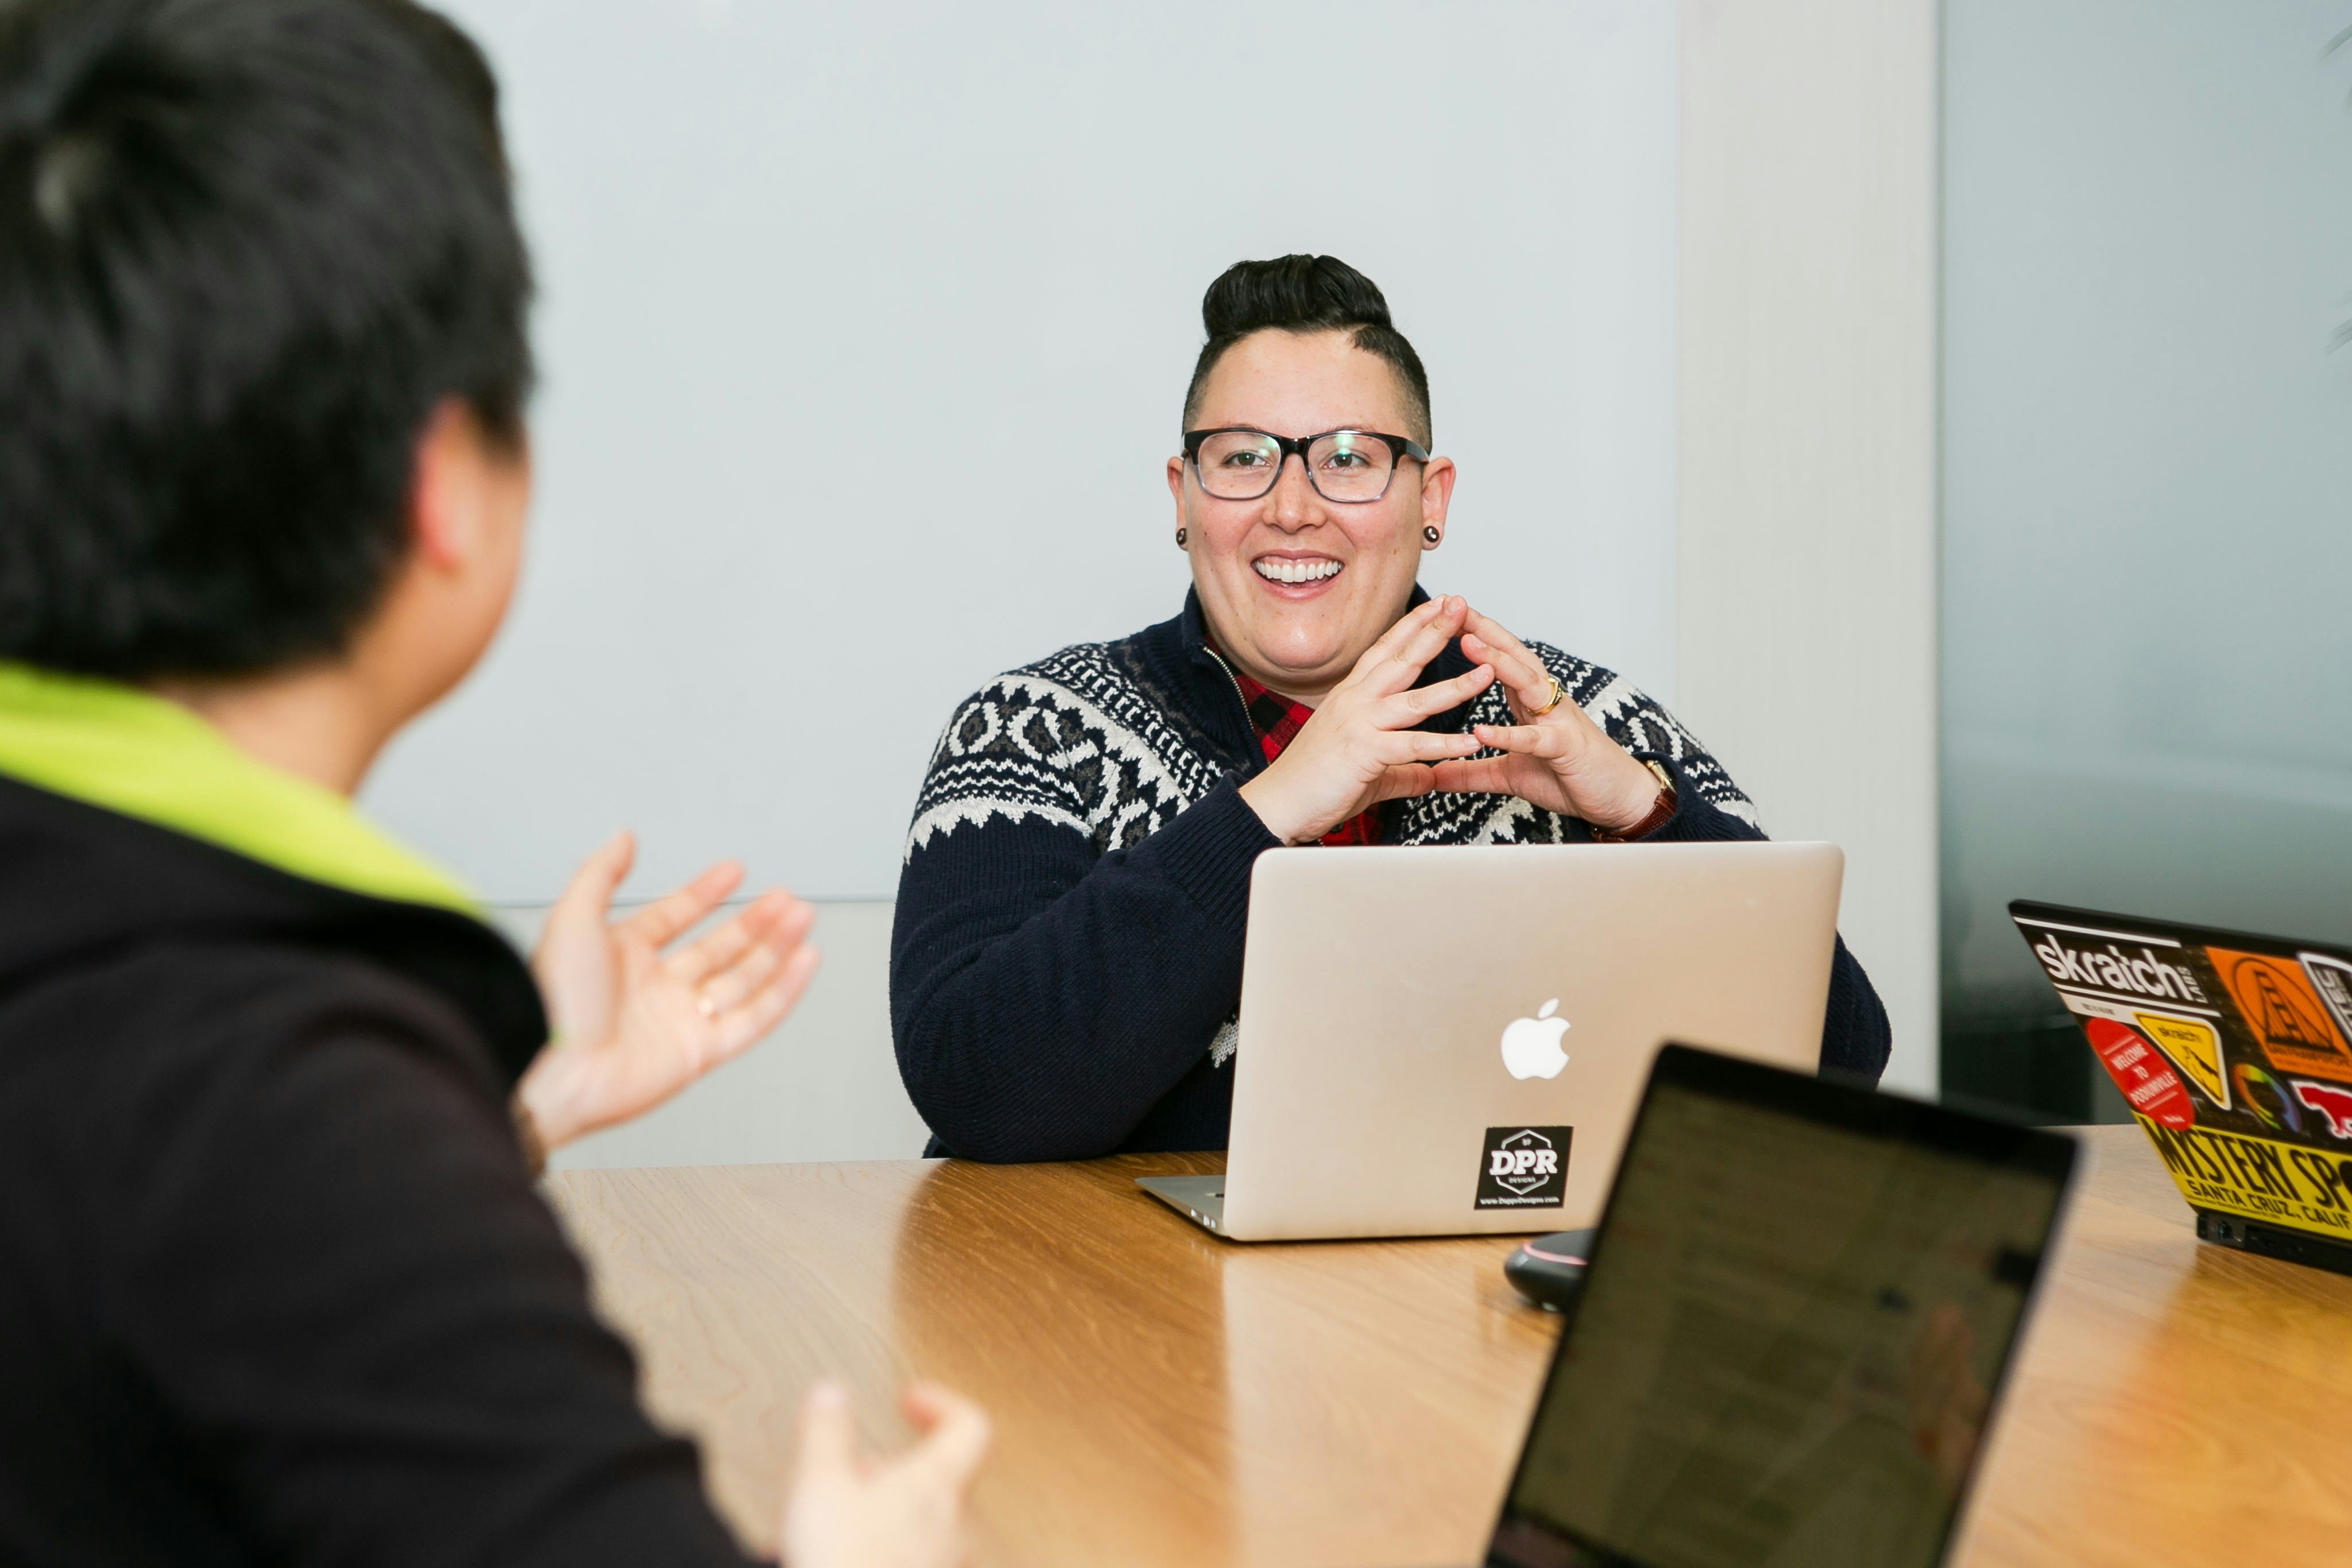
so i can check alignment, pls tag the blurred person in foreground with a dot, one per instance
(274, 1282)
(1066, 963)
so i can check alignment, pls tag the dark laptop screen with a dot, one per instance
(1799, 1306)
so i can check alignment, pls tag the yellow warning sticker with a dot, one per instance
(2279, 1184)
(2194, 1047)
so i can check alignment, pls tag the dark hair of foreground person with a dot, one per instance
(277, 1287)
(249, 247)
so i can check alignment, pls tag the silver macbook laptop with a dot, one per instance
(1451, 1041)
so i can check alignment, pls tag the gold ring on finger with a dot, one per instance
(1558, 695)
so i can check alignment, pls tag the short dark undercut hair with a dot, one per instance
(1306, 293)
(246, 246)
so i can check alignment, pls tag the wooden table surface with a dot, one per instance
(1162, 1396)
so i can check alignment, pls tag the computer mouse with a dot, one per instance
(1549, 1270)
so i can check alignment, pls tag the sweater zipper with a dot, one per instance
(1248, 723)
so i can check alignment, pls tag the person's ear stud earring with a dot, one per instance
(1429, 532)
(1180, 538)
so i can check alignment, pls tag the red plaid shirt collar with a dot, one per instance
(1277, 719)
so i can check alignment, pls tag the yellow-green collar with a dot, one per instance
(132, 752)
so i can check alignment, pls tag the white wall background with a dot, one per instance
(865, 329)
(812, 275)
(1806, 532)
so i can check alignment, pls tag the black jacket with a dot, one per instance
(1066, 948)
(275, 1286)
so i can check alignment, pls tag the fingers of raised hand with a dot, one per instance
(956, 1433)
(716, 952)
(1432, 632)
(1403, 629)
(827, 1431)
(1392, 747)
(724, 984)
(1475, 775)
(744, 1024)
(1390, 664)
(773, 923)
(1499, 637)
(1524, 678)
(1439, 695)
(593, 885)
(1544, 740)
(662, 921)
(1403, 781)
(572, 958)
(1495, 634)
(1375, 746)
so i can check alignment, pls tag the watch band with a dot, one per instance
(1662, 811)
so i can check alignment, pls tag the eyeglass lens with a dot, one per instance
(1345, 466)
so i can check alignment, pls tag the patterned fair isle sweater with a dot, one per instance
(1065, 959)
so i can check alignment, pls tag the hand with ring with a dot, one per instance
(1361, 747)
(633, 1024)
(1555, 757)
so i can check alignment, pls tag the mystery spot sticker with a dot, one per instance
(1524, 1168)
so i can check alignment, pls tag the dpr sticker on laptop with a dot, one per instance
(1524, 1168)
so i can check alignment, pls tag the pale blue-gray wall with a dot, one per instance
(864, 331)
(2146, 481)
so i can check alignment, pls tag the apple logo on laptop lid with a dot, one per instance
(1531, 1046)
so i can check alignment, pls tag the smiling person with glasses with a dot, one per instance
(1066, 964)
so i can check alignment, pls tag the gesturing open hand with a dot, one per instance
(1361, 746)
(847, 1508)
(634, 1026)
(1559, 760)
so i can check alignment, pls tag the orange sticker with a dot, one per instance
(2284, 1013)
(2141, 1071)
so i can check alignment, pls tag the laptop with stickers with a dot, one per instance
(1451, 1040)
(2234, 1054)
(1800, 1306)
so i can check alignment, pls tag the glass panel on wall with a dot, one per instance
(2147, 494)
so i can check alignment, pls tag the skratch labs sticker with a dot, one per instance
(2234, 1054)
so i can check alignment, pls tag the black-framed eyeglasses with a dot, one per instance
(1237, 464)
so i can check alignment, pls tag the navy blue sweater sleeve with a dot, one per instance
(1044, 996)
(1855, 1036)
